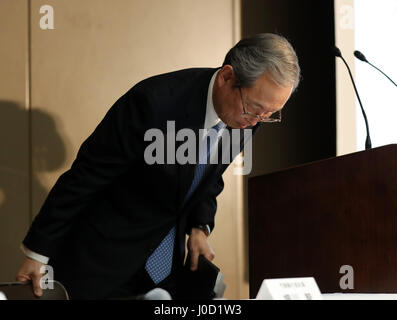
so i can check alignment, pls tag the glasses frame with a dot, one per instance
(256, 116)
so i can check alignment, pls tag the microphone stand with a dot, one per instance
(368, 144)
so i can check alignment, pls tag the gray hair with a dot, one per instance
(264, 52)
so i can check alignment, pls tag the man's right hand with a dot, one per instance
(30, 271)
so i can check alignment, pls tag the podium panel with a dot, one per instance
(313, 220)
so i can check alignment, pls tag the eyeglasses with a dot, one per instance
(274, 117)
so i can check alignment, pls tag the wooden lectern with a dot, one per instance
(310, 220)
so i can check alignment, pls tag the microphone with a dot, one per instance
(337, 52)
(368, 144)
(361, 57)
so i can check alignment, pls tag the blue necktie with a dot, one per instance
(159, 264)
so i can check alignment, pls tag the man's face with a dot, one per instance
(263, 99)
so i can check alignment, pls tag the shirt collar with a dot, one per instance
(211, 117)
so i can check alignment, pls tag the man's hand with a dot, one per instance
(30, 271)
(197, 245)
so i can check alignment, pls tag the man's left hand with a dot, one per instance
(198, 245)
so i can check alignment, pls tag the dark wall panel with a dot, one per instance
(308, 131)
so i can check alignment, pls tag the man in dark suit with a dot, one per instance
(114, 225)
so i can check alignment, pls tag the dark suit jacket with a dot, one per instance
(110, 210)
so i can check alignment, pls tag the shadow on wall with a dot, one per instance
(48, 154)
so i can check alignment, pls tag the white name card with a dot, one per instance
(289, 289)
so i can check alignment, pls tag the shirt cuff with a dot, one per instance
(34, 255)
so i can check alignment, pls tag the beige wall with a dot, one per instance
(97, 51)
(14, 138)
(345, 97)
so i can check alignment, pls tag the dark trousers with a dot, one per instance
(140, 283)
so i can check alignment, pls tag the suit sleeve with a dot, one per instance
(204, 211)
(113, 147)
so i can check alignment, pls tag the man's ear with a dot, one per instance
(226, 75)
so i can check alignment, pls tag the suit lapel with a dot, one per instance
(214, 171)
(194, 118)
